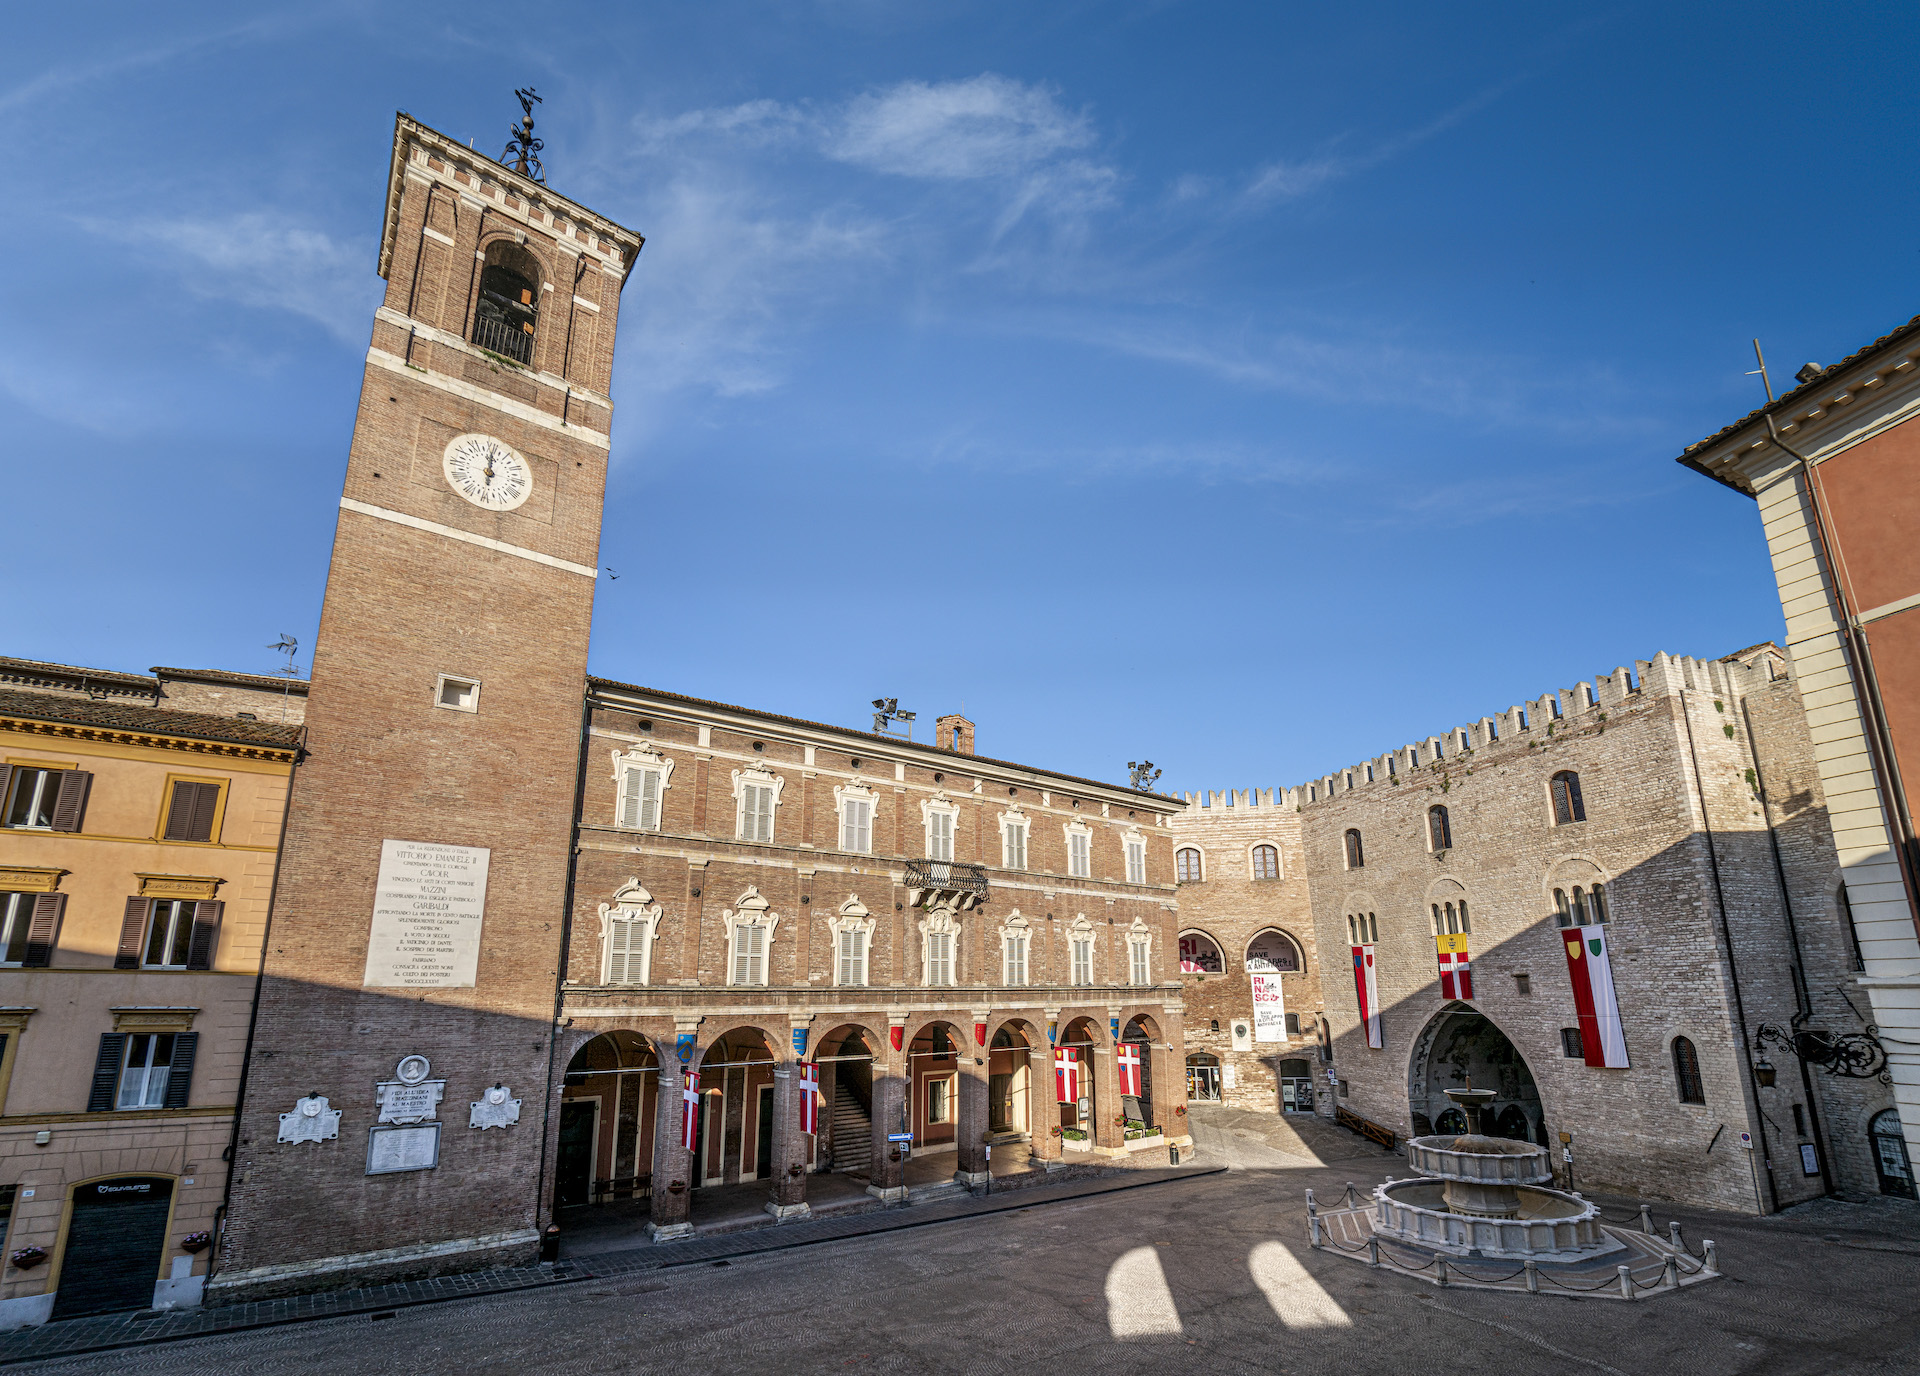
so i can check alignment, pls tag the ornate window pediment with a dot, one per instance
(852, 929)
(1014, 830)
(939, 815)
(1079, 849)
(1016, 941)
(751, 923)
(1139, 952)
(628, 926)
(756, 797)
(642, 776)
(1081, 937)
(856, 804)
(939, 948)
(1133, 843)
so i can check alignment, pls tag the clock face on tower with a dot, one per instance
(487, 472)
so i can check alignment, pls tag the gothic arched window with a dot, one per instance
(1439, 831)
(1686, 1072)
(1356, 857)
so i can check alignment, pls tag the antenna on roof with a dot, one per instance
(288, 646)
(1765, 381)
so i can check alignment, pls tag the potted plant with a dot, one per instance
(26, 1258)
(196, 1242)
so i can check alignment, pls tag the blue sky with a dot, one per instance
(1251, 387)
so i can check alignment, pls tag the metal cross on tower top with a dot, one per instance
(523, 149)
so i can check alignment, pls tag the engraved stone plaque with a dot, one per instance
(427, 909)
(392, 1149)
(495, 1109)
(310, 1121)
(401, 1103)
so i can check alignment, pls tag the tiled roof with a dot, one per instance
(890, 742)
(121, 716)
(46, 669)
(270, 682)
(1797, 396)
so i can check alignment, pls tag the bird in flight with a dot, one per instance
(614, 576)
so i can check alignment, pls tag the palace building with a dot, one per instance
(1618, 906)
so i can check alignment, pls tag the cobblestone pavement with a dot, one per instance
(1210, 1272)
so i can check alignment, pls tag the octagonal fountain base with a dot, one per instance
(1545, 1225)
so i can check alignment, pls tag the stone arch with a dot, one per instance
(1201, 952)
(1461, 1040)
(735, 1065)
(510, 298)
(1573, 877)
(609, 1109)
(946, 1085)
(1268, 961)
(851, 1060)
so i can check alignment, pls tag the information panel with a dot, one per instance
(1269, 1009)
(426, 916)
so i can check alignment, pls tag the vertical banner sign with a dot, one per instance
(689, 1109)
(1601, 1036)
(1456, 975)
(1066, 1076)
(1129, 1069)
(1366, 990)
(1269, 1009)
(809, 1097)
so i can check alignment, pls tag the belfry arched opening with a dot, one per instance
(1463, 1047)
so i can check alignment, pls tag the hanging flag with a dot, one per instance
(689, 1109)
(1066, 1076)
(980, 1034)
(1130, 1068)
(1366, 990)
(809, 1097)
(1601, 1036)
(1456, 975)
(897, 1035)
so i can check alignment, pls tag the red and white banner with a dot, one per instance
(1456, 975)
(1366, 990)
(1066, 1076)
(689, 1109)
(809, 1097)
(1601, 1036)
(1130, 1069)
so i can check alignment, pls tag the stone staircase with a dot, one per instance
(852, 1134)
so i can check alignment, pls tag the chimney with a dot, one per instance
(954, 732)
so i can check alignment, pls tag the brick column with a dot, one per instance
(672, 1162)
(789, 1199)
(888, 1178)
(971, 1127)
(1108, 1136)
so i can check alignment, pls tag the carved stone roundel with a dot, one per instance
(487, 472)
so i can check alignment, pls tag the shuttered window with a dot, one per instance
(626, 950)
(1015, 961)
(856, 825)
(640, 800)
(939, 836)
(1136, 862)
(1014, 845)
(852, 970)
(191, 810)
(144, 1073)
(1137, 964)
(1083, 960)
(940, 958)
(749, 954)
(16, 920)
(756, 812)
(43, 799)
(1567, 804)
(169, 935)
(1077, 850)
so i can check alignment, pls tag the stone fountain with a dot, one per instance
(1483, 1196)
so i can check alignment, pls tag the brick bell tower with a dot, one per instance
(414, 950)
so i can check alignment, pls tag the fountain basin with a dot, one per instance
(1547, 1225)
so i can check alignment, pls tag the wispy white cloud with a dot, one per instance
(985, 127)
(265, 259)
(54, 81)
(1290, 178)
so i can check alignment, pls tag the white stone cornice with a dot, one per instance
(519, 410)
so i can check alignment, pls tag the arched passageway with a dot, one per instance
(1462, 1048)
(1138, 1061)
(845, 1057)
(1009, 1085)
(605, 1149)
(1078, 1053)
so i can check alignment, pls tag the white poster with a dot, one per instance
(427, 908)
(1269, 1009)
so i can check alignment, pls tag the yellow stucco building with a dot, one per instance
(140, 819)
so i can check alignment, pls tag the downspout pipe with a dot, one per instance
(1886, 768)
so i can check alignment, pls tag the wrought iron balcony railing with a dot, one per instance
(503, 337)
(946, 874)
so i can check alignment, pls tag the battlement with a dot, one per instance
(1734, 676)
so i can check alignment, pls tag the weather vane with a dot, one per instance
(1143, 774)
(523, 149)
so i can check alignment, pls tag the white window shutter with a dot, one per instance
(650, 800)
(630, 798)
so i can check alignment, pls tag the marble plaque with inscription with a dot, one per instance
(404, 1103)
(403, 1149)
(427, 909)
